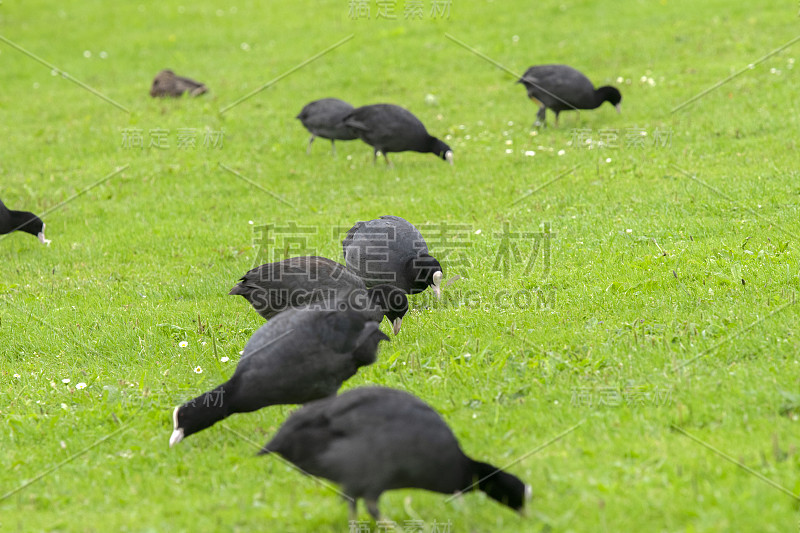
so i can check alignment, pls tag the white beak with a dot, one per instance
(177, 434)
(618, 107)
(437, 284)
(41, 237)
(176, 437)
(396, 325)
(448, 156)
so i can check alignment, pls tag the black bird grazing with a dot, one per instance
(325, 118)
(299, 356)
(391, 250)
(21, 221)
(562, 88)
(320, 283)
(373, 439)
(390, 128)
(167, 84)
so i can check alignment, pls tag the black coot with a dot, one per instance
(563, 88)
(373, 439)
(390, 128)
(299, 356)
(391, 250)
(325, 118)
(321, 283)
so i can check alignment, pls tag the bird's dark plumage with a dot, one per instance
(390, 128)
(325, 118)
(21, 221)
(391, 250)
(321, 283)
(373, 439)
(299, 356)
(563, 88)
(168, 84)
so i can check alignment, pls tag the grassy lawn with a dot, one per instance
(627, 282)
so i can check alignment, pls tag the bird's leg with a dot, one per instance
(311, 140)
(540, 117)
(372, 507)
(557, 119)
(352, 504)
(388, 163)
(333, 147)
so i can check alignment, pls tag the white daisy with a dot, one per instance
(224, 359)
(65, 381)
(198, 370)
(80, 386)
(183, 344)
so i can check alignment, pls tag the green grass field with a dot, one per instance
(654, 328)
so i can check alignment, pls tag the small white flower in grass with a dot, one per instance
(241, 353)
(515, 38)
(198, 370)
(509, 151)
(620, 79)
(64, 406)
(203, 343)
(530, 153)
(509, 141)
(80, 386)
(245, 47)
(250, 222)
(224, 359)
(477, 232)
(103, 54)
(183, 344)
(628, 231)
(87, 54)
(608, 160)
(65, 381)
(562, 152)
(17, 376)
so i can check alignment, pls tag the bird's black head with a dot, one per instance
(29, 223)
(441, 149)
(501, 486)
(392, 301)
(427, 272)
(610, 94)
(198, 414)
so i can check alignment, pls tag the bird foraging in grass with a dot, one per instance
(325, 118)
(391, 250)
(299, 356)
(373, 439)
(21, 221)
(563, 88)
(321, 283)
(390, 128)
(168, 84)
